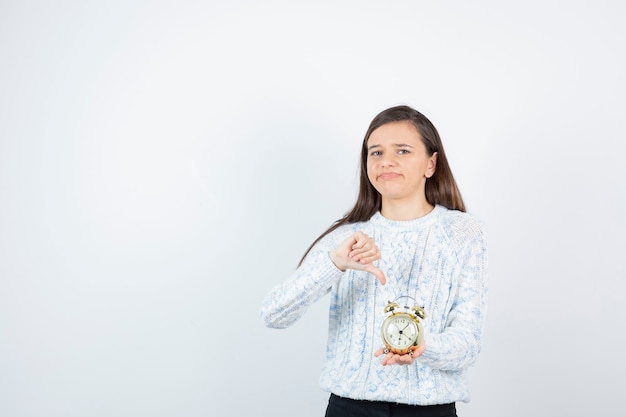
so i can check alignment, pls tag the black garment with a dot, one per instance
(346, 407)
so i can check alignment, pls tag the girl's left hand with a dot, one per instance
(395, 359)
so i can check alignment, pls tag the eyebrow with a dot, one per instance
(397, 145)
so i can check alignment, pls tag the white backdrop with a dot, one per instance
(165, 163)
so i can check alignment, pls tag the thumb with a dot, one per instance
(377, 273)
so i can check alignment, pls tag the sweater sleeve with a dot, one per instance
(459, 344)
(289, 300)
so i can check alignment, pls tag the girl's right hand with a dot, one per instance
(358, 252)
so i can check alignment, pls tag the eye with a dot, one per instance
(376, 153)
(403, 151)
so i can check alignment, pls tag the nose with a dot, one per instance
(387, 160)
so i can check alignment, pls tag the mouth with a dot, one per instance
(388, 176)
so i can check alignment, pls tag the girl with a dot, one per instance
(407, 240)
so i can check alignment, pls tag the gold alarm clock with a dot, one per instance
(402, 332)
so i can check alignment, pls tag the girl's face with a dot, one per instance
(397, 162)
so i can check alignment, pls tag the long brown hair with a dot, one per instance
(441, 188)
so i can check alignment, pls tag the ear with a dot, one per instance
(432, 166)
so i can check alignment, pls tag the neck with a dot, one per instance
(403, 210)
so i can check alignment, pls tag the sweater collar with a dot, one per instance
(413, 224)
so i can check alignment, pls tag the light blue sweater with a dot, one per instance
(440, 260)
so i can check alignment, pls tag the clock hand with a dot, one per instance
(402, 334)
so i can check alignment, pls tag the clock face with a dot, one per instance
(400, 331)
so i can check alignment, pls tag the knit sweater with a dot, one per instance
(440, 260)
